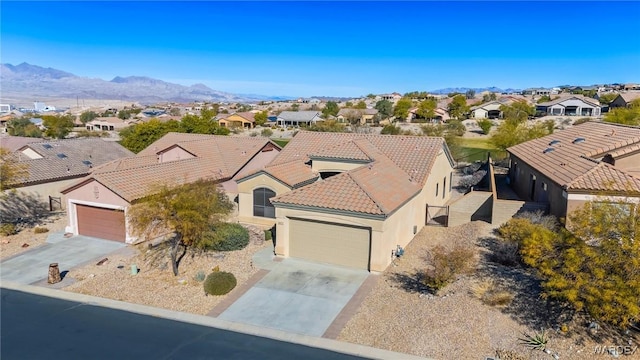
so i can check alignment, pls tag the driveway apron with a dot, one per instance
(33, 265)
(297, 296)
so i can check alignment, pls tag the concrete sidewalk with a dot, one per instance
(32, 265)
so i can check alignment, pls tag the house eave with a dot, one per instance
(380, 217)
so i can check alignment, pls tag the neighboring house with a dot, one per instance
(575, 105)
(572, 166)
(5, 108)
(97, 204)
(624, 99)
(362, 116)
(393, 97)
(111, 123)
(13, 143)
(54, 164)
(491, 109)
(297, 118)
(239, 120)
(345, 198)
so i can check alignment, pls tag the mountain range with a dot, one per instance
(33, 82)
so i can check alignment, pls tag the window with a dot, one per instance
(444, 186)
(261, 205)
(437, 185)
(450, 181)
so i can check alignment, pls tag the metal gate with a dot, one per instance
(437, 215)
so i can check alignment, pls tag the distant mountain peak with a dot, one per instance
(35, 71)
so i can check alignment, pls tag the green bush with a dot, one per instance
(485, 125)
(516, 229)
(266, 132)
(40, 230)
(219, 283)
(227, 237)
(267, 235)
(7, 229)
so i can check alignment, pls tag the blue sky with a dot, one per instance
(330, 48)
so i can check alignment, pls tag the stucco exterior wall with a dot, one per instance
(174, 154)
(520, 175)
(324, 165)
(630, 163)
(245, 198)
(43, 191)
(441, 169)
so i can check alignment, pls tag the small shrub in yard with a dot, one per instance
(219, 283)
(485, 125)
(538, 217)
(227, 237)
(490, 293)
(267, 235)
(7, 229)
(447, 265)
(517, 229)
(200, 276)
(505, 253)
(40, 230)
(266, 132)
(468, 181)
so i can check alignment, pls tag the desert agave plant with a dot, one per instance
(537, 341)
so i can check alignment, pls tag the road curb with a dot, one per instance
(316, 342)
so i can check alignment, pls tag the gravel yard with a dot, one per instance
(155, 284)
(14, 244)
(401, 315)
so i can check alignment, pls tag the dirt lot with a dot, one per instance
(400, 314)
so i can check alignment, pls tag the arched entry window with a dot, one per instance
(261, 204)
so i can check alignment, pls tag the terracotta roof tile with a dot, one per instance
(605, 177)
(569, 154)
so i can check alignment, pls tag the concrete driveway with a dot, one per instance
(32, 265)
(297, 296)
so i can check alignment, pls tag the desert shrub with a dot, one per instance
(581, 121)
(505, 253)
(471, 168)
(267, 235)
(446, 265)
(266, 132)
(7, 229)
(253, 134)
(390, 129)
(490, 293)
(219, 283)
(485, 125)
(538, 217)
(40, 230)
(516, 230)
(226, 237)
(468, 181)
(456, 127)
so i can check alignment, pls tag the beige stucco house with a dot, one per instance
(347, 199)
(241, 120)
(97, 204)
(590, 161)
(361, 116)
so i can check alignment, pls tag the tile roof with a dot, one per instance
(14, 143)
(606, 178)
(630, 96)
(217, 158)
(300, 115)
(577, 150)
(248, 115)
(394, 169)
(68, 158)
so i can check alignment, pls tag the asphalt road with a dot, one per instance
(39, 327)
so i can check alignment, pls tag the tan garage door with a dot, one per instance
(101, 223)
(330, 243)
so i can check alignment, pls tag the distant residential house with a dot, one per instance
(491, 109)
(111, 123)
(53, 164)
(571, 106)
(590, 161)
(297, 118)
(239, 120)
(540, 91)
(309, 101)
(624, 99)
(631, 87)
(393, 97)
(363, 116)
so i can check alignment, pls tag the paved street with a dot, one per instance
(40, 327)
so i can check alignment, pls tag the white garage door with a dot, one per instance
(330, 243)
